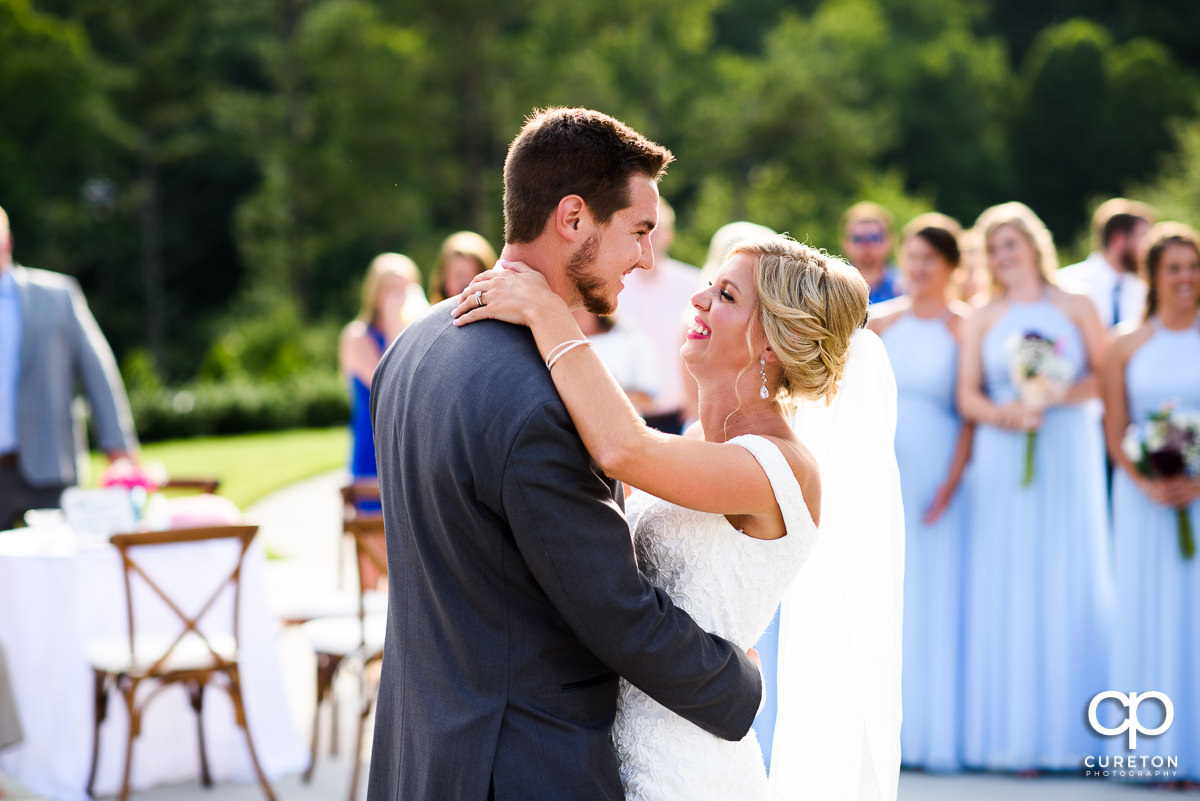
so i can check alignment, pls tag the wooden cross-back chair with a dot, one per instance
(192, 658)
(357, 638)
(208, 484)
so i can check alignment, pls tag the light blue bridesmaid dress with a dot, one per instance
(924, 356)
(1157, 622)
(1039, 584)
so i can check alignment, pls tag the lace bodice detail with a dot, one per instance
(731, 585)
(728, 582)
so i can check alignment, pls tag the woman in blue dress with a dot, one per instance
(1038, 576)
(392, 298)
(1158, 621)
(920, 331)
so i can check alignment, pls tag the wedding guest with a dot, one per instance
(388, 306)
(658, 302)
(724, 240)
(868, 236)
(971, 279)
(1152, 364)
(49, 345)
(628, 355)
(921, 332)
(1109, 275)
(1038, 577)
(462, 257)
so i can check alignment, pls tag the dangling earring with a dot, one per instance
(762, 368)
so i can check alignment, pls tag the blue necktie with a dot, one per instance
(1116, 302)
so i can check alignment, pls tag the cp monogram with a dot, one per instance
(1131, 723)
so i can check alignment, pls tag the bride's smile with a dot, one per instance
(717, 336)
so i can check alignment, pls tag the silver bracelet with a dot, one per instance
(555, 350)
(562, 349)
(551, 355)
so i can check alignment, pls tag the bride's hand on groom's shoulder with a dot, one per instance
(512, 292)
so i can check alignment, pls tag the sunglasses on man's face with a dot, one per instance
(868, 239)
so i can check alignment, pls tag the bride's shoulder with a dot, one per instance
(804, 468)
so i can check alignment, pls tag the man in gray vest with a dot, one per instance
(514, 598)
(49, 345)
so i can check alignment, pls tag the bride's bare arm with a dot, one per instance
(694, 473)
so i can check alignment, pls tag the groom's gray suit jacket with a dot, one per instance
(514, 597)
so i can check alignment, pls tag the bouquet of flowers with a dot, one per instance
(1167, 445)
(141, 482)
(1041, 375)
(129, 474)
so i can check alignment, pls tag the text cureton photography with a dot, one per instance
(1131, 766)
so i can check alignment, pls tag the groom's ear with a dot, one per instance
(572, 218)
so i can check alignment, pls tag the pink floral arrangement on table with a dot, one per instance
(1041, 375)
(130, 475)
(1167, 445)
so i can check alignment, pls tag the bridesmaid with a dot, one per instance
(389, 288)
(921, 332)
(1158, 622)
(1038, 571)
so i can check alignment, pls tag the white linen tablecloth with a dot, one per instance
(55, 597)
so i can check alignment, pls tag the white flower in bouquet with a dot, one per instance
(1038, 369)
(1041, 375)
(1156, 437)
(1131, 444)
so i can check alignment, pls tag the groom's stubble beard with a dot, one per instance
(588, 284)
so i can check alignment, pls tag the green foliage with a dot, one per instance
(304, 400)
(273, 346)
(138, 372)
(49, 97)
(254, 155)
(1175, 193)
(1092, 115)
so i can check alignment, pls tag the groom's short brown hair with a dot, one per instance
(573, 151)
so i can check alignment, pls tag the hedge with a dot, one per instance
(240, 405)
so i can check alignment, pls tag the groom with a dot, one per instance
(514, 598)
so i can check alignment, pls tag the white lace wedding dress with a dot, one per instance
(730, 584)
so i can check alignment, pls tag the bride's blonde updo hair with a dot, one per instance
(809, 305)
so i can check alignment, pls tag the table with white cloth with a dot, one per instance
(58, 593)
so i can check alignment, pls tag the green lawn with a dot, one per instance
(250, 466)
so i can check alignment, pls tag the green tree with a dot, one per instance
(1175, 190)
(1092, 115)
(163, 257)
(50, 101)
(790, 138)
(346, 157)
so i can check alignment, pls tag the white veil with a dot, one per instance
(837, 734)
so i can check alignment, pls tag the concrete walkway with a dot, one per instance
(301, 525)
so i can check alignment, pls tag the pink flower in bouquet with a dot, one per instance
(128, 474)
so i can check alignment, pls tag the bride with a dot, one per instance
(730, 511)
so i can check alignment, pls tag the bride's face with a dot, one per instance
(724, 312)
